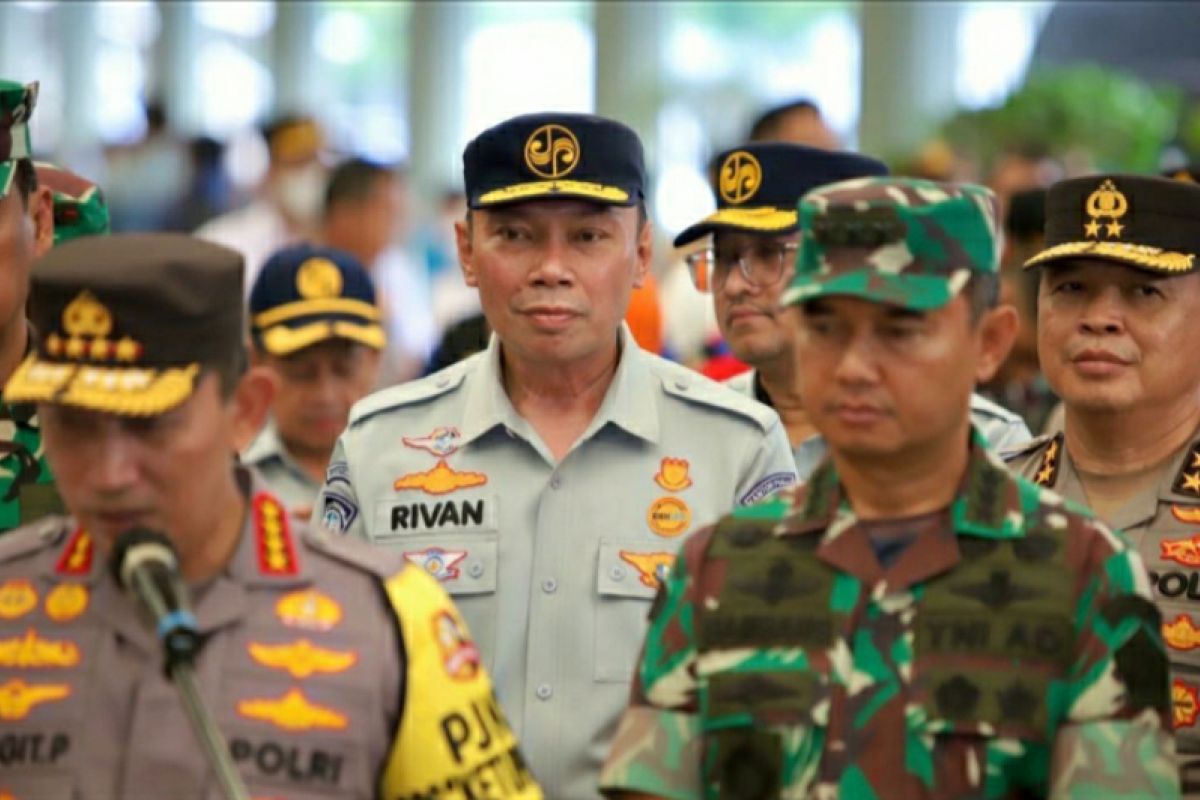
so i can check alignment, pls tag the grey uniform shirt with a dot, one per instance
(553, 564)
(270, 458)
(1002, 428)
(1162, 521)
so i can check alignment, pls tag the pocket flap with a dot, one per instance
(462, 564)
(631, 569)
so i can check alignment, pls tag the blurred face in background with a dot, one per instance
(1114, 338)
(316, 388)
(757, 329)
(367, 226)
(555, 276)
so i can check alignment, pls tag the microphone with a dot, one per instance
(146, 566)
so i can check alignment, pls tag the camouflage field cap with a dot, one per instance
(1149, 223)
(16, 107)
(79, 206)
(901, 241)
(127, 323)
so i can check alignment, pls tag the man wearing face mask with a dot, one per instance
(288, 204)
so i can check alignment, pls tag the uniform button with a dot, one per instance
(617, 573)
(549, 586)
(475, 570)
(555, 482)
(544, 692)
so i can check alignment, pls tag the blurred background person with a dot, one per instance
(287, 206)
(315, 324)
(366, 213)
(148, 176)
(797, 122)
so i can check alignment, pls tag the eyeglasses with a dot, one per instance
(761, 265)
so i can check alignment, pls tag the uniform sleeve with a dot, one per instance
(1116, 741)
(337, 506)
(657, 748)
(454, 741)
(771, 467)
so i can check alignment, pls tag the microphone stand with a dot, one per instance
(177, 630)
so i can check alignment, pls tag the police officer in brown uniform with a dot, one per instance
(1118, 319)
(332, 671)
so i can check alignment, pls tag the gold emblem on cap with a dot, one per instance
(318, 279)
(87, 324)
(1107, 201)
(741, 175)
(552, 151)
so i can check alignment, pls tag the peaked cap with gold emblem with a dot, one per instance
(305, 294)
(126, 323)
(544, 156)
(759, 184)
(16, 107)
(1145, 222)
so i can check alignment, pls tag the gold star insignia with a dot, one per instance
(1195, 460)
(1191, 482)
(127, 349)
(1043, 477)
(76, 347)
(1092, 228)
(1115, 228)
(98, 350)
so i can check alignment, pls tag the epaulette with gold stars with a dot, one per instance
(1187, 482)
(1047, 472)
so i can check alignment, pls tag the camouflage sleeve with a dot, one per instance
(337, 508)
(657, 746)
(1116, 741)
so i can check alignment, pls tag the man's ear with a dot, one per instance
(41, 214)
(251, 404)
(997, 333)
(466, 254)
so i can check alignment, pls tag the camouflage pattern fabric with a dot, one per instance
(27, 491)
(79, 205)
(905, 242)
(1015, 653)
(16, 106)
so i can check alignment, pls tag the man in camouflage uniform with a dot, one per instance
(1118, 308)
(26, 232)
(749, 265)
(915, 621)
(333, 671)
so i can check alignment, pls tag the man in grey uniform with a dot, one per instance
(548, 481)
(755, 231)
(1118, 315)
(315, 325)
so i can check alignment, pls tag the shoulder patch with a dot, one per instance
(377, 561)
(692, 387)
(41, 535)
(413, 392)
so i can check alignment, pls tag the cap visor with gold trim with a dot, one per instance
(127, 324)
(306, 295)
(1149, 223)
(550, 156)
(758, 185)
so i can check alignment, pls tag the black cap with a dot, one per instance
(305, 294)
(126, 322)
(758, 186)
(1149, 223)
(539, 156)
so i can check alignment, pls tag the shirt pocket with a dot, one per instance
(764, 729)
(32, 786)
(468, 568)
(628, 574)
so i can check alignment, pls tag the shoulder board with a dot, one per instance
(37, 536)
(692, 387)
(413, 392)
(982, 405)
(353, 552)
(1027, 448)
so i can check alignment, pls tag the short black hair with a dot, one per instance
(25, 179)
(767, 121)
(352, 181)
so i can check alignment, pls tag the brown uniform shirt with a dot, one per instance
(306, 666)
(1162, 522)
